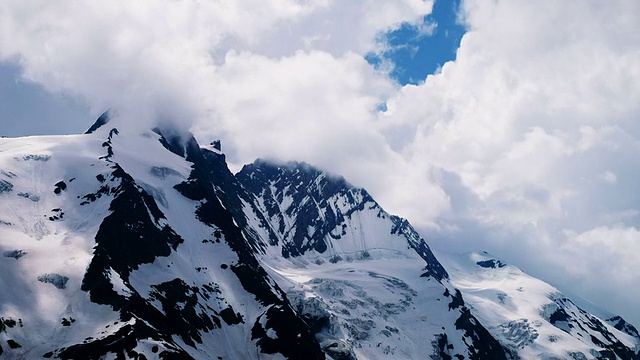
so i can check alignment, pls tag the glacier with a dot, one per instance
(125, 245)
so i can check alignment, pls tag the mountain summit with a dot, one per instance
(143, 246)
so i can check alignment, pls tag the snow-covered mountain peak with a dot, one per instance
(300, 175)
(121, 262)
(174, 138)
(345, 261)
(293, 182)
(121, 243)
(304, 211)
(531, 317)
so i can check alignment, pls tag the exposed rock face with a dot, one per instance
(568, 317)
(149, 247)
(620, 324)
(16, 254)
(305, 216)
(5, 186)
(102, 120)
(530, 317)
(56, 280)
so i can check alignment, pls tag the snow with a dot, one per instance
(62, 247)
(367, 286)
(118, 284)
(516, 308)
(65, 247)
(378, 305)
(351, 280)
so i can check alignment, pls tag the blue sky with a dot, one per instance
(413, 52)
(416, 51)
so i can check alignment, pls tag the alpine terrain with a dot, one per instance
(125, 245)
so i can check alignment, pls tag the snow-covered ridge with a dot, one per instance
(363, 274)
(128, 245)
(300, 210)
(531, 317)
(106, 257)
(313, 221)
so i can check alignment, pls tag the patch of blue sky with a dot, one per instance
(412, 52)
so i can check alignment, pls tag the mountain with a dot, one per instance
(115, 245)
(119, 244)
(360, 276)
(530, 317)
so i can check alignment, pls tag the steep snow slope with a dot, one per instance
(116, 244)
(374, 288)
(532, 318)
(126, 245)
(364, 280)
(46, 240)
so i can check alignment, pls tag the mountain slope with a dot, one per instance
(107, 253)
(121, 245)
(366, 279)
(323, 236)
(532, 318)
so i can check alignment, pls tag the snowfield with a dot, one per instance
(527, 314)
(128, 245)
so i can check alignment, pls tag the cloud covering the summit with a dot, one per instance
(527, 145)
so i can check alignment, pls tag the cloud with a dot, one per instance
(611, 242)
(527, 145)
(279, 79)
(536, 120)
(608, 177)
(319, 108)
(160, 57)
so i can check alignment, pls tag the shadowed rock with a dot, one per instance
(56, 280)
